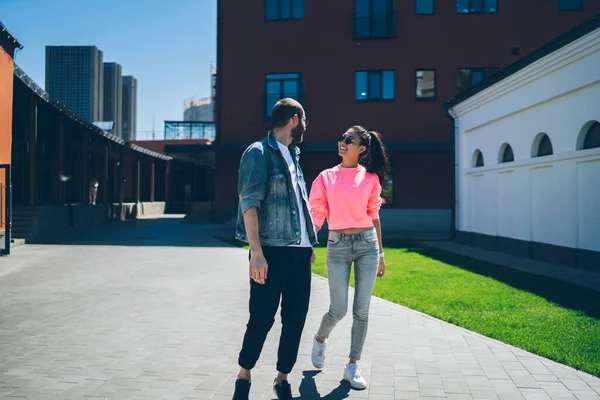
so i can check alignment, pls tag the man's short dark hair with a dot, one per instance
(283, 110)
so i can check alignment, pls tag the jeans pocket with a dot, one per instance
(333, 239)
(370, 236)
(333, 242)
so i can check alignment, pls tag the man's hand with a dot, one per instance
(313, 257)
(258, 267)
(381, 268)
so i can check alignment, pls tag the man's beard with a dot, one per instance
(297, 134)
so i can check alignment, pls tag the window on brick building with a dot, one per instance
(569, 5)
(476, 6)
(279, 86)
(425, 7)
(374, 85)
(277, 10)
(388, 190)
(425, 84)
(374, 19)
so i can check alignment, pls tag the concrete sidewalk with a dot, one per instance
(155, 309)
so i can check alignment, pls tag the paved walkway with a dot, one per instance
(140, 311)
(588, 279)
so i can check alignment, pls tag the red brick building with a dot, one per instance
(385, 64)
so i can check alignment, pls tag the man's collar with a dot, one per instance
(273, 143)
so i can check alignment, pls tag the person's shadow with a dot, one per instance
(308, 388)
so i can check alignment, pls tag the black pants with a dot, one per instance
(288, 280)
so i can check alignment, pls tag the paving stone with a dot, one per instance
(103, 317)
(535, 394)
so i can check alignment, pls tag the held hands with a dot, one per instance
(313, 257)
(381, 268)
(258, 268)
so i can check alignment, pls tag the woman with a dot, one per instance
(349, 197)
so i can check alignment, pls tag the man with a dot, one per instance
(274, 219)
(93, 192)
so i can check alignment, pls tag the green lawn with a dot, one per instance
(548, 317)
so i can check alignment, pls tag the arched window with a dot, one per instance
(477, 159)
(542, 146)
(591, 136)
(506, 154)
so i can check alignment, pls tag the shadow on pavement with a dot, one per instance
(563, 293)
(160, 231)
(308, 388)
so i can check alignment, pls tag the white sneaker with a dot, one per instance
(352, 374)
(318, 353)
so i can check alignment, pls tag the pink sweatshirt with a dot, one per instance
(346, 197)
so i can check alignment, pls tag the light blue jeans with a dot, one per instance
(361, 249)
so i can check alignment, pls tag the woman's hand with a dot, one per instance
(381, 268)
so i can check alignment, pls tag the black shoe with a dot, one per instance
(242, 388)
(283, 391)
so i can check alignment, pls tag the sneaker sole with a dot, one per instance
(354, 387)
(315, 364)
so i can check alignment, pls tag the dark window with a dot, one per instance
(374, 85)
(478, 159)
(388, 189)
(284, 9)
(476, 6)
(507, 154)
(279, 86)
(468, 77)
(426, 7)
(569, 4)
(592, 138)
(374, 19)
(545, 147)
(425, 84)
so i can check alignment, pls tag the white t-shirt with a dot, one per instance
(305, 241)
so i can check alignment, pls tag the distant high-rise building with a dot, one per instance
(198, 109)
(75, 77)
(129, 115)
(213, 85)
(113, 96)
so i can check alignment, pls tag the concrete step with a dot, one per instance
(24, 213)
(21, 225)
(24, 218)
(16, 242)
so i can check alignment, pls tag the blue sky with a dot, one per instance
(168, 45)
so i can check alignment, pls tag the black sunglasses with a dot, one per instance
(346, 139)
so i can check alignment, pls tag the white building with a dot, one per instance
(198, 109)
(527, 156)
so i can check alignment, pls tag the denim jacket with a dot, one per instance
(264, 181)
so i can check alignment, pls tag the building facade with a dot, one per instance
(113, 96)
(56, 155)
(8, 45)
(75, 77)
(129, 114)
(385, 64)
(528, 155)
